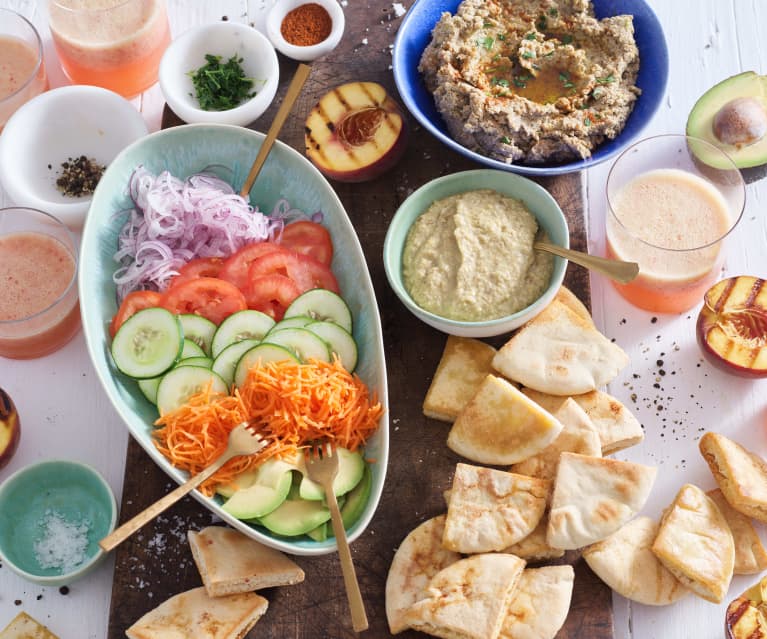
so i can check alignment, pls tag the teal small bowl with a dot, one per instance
(65, 490)
(538, 201)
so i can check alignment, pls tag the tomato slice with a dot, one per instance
(133, 303)
(211, 297)
(305, 271)
(235, 268)
(308, 238)
(199, 267)
(271, 294)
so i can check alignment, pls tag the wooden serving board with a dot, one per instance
(156, 562)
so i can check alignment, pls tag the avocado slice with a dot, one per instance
(270, 486)
(357, 499)
(732, 115)
(320, 533)
(295, 516)
(351, 466)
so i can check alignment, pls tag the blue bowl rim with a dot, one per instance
(660, 53)
(390, 249)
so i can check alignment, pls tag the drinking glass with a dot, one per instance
(38, 273)
(115, 44)
(672, 201)
(22, 70)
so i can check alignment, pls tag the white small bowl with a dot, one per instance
(54, 126)
(226, 39)
(304, 54)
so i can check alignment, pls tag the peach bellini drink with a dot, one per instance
(115, 44)
(671, 212)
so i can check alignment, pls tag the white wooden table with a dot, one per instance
(675, 394)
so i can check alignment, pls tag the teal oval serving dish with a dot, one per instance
(228, 151)
(42, 507)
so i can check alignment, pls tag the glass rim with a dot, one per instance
(60, 5)
(732, 224)
(39, 62)
(72, 282)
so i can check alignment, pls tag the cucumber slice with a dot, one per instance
(321, 304)
(262, 353)
(299, 321)
(239, 326)
(198, 329)
(148, 343)
(205, 362)
(181, 383)
(226, 362)
(191, 349)
(340, 342)
(302, 342)
(149, 387)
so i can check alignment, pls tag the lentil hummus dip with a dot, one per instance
(470, 257)
(532, 81)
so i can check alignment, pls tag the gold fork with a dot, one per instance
(322, 468)
(242, 441)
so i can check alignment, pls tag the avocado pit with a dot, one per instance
(740, 122)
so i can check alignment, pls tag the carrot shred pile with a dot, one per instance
(288, 403)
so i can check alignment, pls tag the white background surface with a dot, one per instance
(66, 415)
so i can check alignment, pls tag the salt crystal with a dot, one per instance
(63, 544)
(364, 40)
(399, 9)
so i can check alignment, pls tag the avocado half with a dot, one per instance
(715, 107)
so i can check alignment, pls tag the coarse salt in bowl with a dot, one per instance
(52, 516)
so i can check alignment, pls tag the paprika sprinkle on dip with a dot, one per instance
(306, 25)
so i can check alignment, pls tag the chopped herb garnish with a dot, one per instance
(610, 78)
(567, 38)
(553, 12)
(587, 121)
(496, 57)
(521, 81)
(501, 37)
(219, 87)
(505, 140)
(542, 23)
(499, 82)
(597, 93)
(530, 36)
(528, 55)
(486, 42)
(537, 67)
(564, 78)
(487, 24)
(548, 55)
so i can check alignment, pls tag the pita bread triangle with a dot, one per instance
(469, 598)
(560, 353)
(419, 557)
(491, 509)
(194, 614)
(593, 497)
(501, 426)
(534, 546)
(25, 627)
(750, 555)
(230, 562)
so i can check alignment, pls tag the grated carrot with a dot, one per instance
(288, 403)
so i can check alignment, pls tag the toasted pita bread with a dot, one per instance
(468, 599)
(194, 614)
(25, 627)
(740, 474)
(419, 557)
(230, 562)
(593, 497)
(750, 555)
(501, 426)
(490, 509)
(534, 546)
(540, 603)
(695, 543)
(569, 299)
(615, 424)
(625, 562)
(464, 365)
(578, 435)
(560, 353)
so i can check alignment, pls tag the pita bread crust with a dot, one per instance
(569, 299)
(750, 555)
(560, 353)
(419, 557)
(25, 627)
(501, 426)
(593, 497)
(695, 543)
(540, 603)
(230, 562)
(615, 424)
(491, 509)
(578, 435)
(464, 365)
(741, 474)
(194, 614)
(534, 546)
(625, 562)
(468, 599)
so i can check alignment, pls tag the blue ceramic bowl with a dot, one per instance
(415, 34)
(538, 201)
(229, 151)
(49, 495)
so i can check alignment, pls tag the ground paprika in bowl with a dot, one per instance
(305, 30)
(306, 25)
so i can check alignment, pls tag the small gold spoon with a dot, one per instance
(617, 270)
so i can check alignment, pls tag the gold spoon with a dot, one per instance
(294, 90)
(617, 270)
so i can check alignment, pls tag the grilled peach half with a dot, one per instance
(732, 326)
(355, 132)
(745, 618)
(10, 429)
